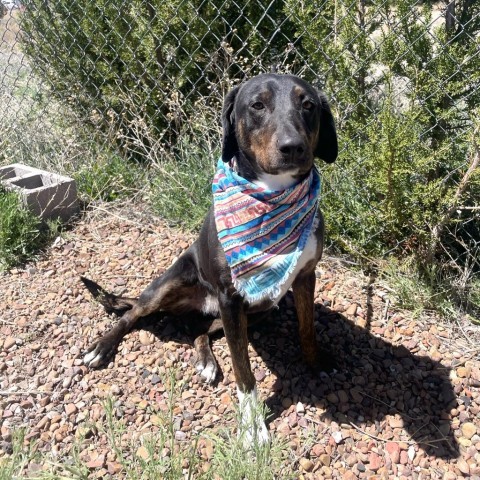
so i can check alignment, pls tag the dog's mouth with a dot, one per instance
(281, 178)
(297, 166)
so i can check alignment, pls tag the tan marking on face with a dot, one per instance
(298, 91)
(262, 145)
(313, 139)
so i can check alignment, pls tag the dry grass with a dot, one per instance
(9, 32)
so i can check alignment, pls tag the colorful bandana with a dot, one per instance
(263, 232)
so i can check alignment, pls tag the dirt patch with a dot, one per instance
(401, 402)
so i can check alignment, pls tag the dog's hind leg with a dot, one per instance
(176, 292)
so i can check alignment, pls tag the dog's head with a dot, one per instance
(277, 123)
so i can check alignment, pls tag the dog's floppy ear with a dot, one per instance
(327, 145)
(229, 140)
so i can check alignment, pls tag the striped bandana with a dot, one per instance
(262, 232)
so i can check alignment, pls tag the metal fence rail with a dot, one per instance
(141, 76)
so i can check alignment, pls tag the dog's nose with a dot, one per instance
(291, 147)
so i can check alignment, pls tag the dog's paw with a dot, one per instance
(252, 429)
(255, 434)
(98, 354)
(207, 368)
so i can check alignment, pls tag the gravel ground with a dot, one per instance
(402, 401)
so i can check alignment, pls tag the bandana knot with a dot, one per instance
(262, 232)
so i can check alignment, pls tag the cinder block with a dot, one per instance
(48, 195)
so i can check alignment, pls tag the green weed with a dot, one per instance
(13, 465)
(419, 290)
(110, 178)
(181, 187)
(22, 234)
(151, 456)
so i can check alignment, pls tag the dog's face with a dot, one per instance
(277, 123)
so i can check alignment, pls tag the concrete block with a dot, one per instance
(48, 195)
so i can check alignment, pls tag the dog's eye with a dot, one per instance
(258, 106)
(308, 105)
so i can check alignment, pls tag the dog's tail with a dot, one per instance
(112, 303)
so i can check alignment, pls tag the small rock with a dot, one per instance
(44, 401)
(146, 338)
(325, 459)
(396, 422)
(300, 408)
(180, 436)
(114, 468)
(351, 310)
(393, 450)
(96, 462)
(463, 372)
(403, 457)
(337, 436)
(357, 397)
(306, 464)
(70, 408)
(287, 402)
(361, 322)
(342, 396)
(6, 433)
(187, 394)
(469, 430)
(142, 452)
(66, 382)
(332, 398)
(375, 461)
(360, 467)
(411, 453)
(8, 343)
(463, 466)
(317, 450)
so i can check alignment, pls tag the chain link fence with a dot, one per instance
(146, 79)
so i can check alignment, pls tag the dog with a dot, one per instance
(273, 128)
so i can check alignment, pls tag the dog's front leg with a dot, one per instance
(234, 318)
(304, 293)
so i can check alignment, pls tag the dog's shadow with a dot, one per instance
(370, 381)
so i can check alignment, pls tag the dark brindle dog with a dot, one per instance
(273, 127)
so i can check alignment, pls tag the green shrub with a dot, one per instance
(181, 187)
(110, 178)
(114, 61)
(20, 231)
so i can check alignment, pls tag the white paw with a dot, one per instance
(256, 434)
(208, 372)
(94, 358)
(252, 428)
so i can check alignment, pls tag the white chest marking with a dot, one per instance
(280, 181)
(308, 254)
(210, 305)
